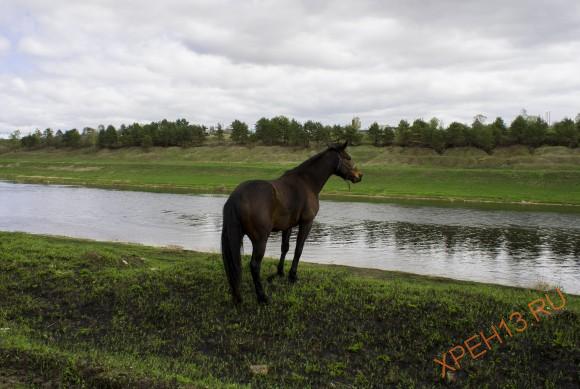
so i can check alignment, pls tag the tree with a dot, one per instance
(182, 133)
(48, 137)
(280, 130)
(198, 134)
(565, 133)
(112, 137)
(500, 132)
(266, 132)
(136, 132)
(482, 135)
(438, 142)
(166, 134)
(58, 139)
(403, 133)
(455, 135)
(14, 139)
(317, 132)
(352, 135)
(31, 140)
(337, 133)
(147, 142)
(89, 137)
(518, 129)
(388, 136)
(72, 138)
(16, 135)
(435, 135)
(419, 133)
(219, 134)
(376, 134)
(535, 132)
(101, 138)
(151, 129)
(297, 135)
(240, 132)
(107, 137)
(124, 136)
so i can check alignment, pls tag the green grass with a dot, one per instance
(551, 175)
(90, 314)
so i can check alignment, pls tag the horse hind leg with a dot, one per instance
(303, 232)
(259, 248)
(285, 247)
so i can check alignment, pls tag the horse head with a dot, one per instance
(345, 167)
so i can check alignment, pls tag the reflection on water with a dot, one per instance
(507, 247)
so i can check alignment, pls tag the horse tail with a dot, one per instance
(232, 235)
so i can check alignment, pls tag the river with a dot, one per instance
(510, 247)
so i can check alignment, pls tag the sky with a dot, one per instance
(71, 64)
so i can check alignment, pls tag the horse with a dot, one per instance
(257, 208)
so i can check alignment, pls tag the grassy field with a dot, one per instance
(548, 175)
(88, 314)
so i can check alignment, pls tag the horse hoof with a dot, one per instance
(292, 277)
(264, 300)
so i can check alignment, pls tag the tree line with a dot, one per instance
(531, 131)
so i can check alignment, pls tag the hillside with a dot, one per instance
(549, 175)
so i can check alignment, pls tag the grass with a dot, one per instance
(550, 175)
(90, 314)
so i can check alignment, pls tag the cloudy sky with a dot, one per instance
(66, 64)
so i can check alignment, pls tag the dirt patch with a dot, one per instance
(72, 168)
(9, 165)
(21, 378)
(93, 259)
(132, 260)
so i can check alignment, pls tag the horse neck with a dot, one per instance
(319, 172)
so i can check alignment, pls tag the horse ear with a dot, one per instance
(343, 146)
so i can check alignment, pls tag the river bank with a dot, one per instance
(548, 177)
(81, 312)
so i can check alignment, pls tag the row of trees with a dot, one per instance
(164, 134)
(526, 130)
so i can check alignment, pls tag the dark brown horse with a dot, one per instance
(256, 208)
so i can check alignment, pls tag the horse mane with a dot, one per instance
(304, 165)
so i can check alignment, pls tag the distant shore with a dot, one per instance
(548, 177)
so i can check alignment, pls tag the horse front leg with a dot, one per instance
(303, 232)
(259, 248)
(285, 247)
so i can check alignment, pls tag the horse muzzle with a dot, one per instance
(356, 177)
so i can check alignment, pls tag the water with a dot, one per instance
(519, 248)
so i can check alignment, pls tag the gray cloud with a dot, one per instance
(65, 65)
(4, 45)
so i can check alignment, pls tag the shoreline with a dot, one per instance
(163, 317)
(181, 189)
(371, 272)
